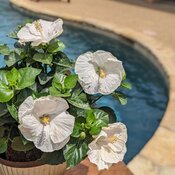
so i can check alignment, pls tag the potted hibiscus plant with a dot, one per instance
(49, 119)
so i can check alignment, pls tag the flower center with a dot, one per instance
(102, 73)
(45, 119)
(112, 139)
(38, 26)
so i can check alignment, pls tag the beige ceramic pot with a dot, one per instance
(30, 168)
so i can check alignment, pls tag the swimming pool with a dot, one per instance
(149, 96)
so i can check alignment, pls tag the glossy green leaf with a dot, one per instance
(53, 158)
(62, 60)
(3, 77)
(101, 115)
(77, 130)
(12, 76)
(11, 59)
(5, 93)
(27, 77)
(44, 78)
(55, 46)
(3, 109)
(44, 58)
(18, 145)
(79, 100)
(90, 117)
(3, 145)
(126, 85)
(74, 155)
(55, 92)
(70, 81)
(4, 49)
(120, 97)
(2, 130)
(13, 111)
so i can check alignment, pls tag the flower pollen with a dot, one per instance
(102, 73)
(112, 139)
(45, 119)
(38, 26)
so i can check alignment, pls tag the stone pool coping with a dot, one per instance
(158, 155)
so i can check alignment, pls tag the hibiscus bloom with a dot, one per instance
(40, 31)
(109, 146)
(45, 122)
(99, 72)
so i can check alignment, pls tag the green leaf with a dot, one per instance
(101, 115)
(53, 158)
(5, 93)
(120, 97)
(2, 130)
(77, 130)
(44, 58)
(79, 100)
(90, 117)
(55, 92)
(3, 109)
(11, 59)
(44, 78)
(70, 81)
(96, 119)
(22, 95)
(55, 46)
(27, 77)
(78, 103)
(62, 60)
(95, 130)
(12, 76)
(126, 85)
(74, 155)
(18, 145)
(13, 35)
(3, 145)
(6, 119)
(3, 77)
(60, 78)
(13, 111)
(111, 113)
(4, 49)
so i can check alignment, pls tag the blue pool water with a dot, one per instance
(148, 98)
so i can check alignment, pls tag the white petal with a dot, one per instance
(101, 58)
(119, 129)
(37, 42)
(85, 69)
(94, 145)
(56, 28)
(26, 107)
(95, 157)
(109, 84)
(108, 155)
(90, 88)
(44, 142)
(25, 35)
(61, 127)
(50, 105)
(30, 127)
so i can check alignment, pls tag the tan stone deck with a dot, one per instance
(148, 27)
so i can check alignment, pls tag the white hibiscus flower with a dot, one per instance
(40, 31)
(45, 122)
(109, 146)
(99, 72)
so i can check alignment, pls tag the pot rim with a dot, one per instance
(21, 164)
